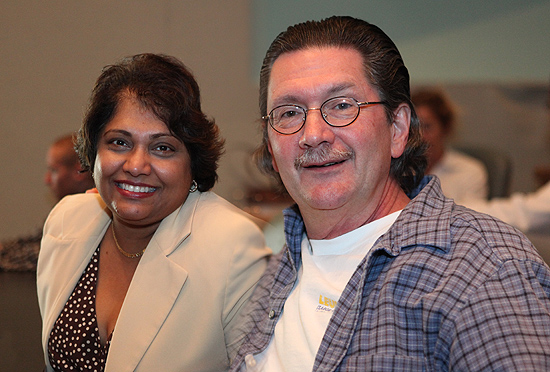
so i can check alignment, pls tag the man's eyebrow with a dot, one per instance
(287, 99)
(291, 99)
(339, 88)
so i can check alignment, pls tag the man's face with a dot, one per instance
(61, 176)
(340, 167)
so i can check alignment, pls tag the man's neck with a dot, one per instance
(329, 224)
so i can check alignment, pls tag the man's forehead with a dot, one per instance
(316, 71)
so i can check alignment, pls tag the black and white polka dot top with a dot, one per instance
(74, 343)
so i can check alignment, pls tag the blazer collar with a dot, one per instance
(153, 291)
(177, 226)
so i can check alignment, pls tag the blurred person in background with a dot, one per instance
(64, 176)
(529, 212)
(462, 176)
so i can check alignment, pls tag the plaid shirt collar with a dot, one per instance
(431, 206)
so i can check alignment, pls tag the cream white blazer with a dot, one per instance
(180, 309)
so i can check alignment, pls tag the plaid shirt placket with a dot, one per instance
(261, 315)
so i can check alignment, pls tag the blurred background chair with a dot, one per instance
(499, 168)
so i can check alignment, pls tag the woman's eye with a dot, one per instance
(117, 142)
(164, 149)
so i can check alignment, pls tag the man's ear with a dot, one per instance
(273, 162)
(400, 129)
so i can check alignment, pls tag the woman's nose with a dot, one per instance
(138, 162)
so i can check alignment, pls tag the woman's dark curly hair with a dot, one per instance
(163, 85)
(384, 69)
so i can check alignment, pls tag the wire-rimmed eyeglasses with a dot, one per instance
(336, 112)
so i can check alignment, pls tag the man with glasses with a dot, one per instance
(380, 271)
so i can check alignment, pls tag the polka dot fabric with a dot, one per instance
(74, 343)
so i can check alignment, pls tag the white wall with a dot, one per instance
(52, 52)
(441, 41)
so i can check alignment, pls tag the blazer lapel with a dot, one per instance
(155, 287)
(71, 256)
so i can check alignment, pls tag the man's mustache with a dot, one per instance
(323, 155)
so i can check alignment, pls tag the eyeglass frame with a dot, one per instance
(269, 116)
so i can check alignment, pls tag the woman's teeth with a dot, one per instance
(133, 188)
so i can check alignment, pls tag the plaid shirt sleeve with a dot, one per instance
(505, 324)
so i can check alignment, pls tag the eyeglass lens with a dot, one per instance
(339, 111)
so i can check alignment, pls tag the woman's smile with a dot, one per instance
(142, 170)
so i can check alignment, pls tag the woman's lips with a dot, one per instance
(135, 188)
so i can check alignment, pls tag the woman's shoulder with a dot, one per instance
(216, 208)
(75, 210)
(79, 204)
(218, 222)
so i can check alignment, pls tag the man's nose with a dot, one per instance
(316, 130)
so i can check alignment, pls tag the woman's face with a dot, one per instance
(142, 172)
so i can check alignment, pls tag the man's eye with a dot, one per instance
(342, 106)
(289, 114)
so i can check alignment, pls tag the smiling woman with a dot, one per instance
(137, 252)
(138, 159)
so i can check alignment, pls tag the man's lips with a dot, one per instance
(328, 164)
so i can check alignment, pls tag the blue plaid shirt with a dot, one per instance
(446, 288)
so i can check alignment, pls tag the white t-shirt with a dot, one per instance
(327, 266)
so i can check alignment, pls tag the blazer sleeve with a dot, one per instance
(242, 258)
(247, 265)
